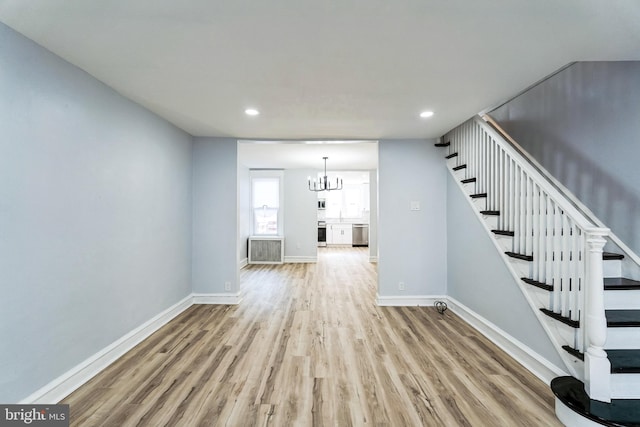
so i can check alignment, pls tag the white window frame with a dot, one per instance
(268, 173)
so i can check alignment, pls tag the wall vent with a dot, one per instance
(266, 250)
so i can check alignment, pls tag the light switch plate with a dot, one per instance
(415, 205)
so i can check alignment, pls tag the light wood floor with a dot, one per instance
(308, 346)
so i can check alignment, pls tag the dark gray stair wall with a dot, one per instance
(479, 279)
(582, 125)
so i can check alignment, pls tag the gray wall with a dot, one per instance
(244, 211)
(412, 245)
(95, 216)
(479, 279)
(583, 125)
(300, 215)
(215, 219)
(373, 213)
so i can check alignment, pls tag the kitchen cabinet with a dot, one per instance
(339, 234)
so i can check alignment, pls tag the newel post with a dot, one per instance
(597, 368)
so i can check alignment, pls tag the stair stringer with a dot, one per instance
(556, 331)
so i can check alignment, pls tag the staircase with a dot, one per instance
(555, 249)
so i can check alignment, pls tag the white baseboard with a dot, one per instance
(68, 382)
(224, 299)
(243, 263)
(300, 259)
(373, 259)
(532, 361)
(408, 300)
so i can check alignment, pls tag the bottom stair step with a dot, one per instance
(620, 412)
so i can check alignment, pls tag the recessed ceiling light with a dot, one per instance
(426, 114)
(251, 112)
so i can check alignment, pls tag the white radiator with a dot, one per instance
(266, 250)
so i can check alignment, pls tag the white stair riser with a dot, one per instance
(623, 338)
(491, 221)
(480, 203)
(522, 267)
(505, 242)
(565, 333)
(460, 174)
(625, 386)
(627, 299)
(540, 296)
(470, 188)
(612, 268)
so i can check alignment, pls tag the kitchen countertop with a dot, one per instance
(348, 221)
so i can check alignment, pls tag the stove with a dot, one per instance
(322, 233)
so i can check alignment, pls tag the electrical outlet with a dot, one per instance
(401, 286)
(227, 286)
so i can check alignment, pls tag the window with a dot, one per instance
(352, 201)
(265, 202)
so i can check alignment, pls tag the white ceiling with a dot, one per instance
(342, 155)
(325, 69)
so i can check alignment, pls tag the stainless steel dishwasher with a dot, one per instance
(360, 234)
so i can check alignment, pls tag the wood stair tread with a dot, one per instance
(572, 351)
(561, 318)
(624, 361)
(443, 144)
(478, 196)
(468, 180)
(451, 156)
(457, 168)
(623, 318)
(537, 284)
(611, 256)
(492, 213)
(620, 412)
(504, 233)
(520, 256)
(620, 284)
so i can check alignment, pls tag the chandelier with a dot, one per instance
(322, 184)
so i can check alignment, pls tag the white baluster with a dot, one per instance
(557, 307)
(580, 285)
(486, 170)
(516, 208)
(474, 161)
(523, 212)
(500, 164)
(564, 266)
(537, 253)
(528, 225)
(510, 183)
(597, 367)
(542, 237)
(573, 273)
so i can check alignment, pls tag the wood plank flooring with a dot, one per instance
(308, 346)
